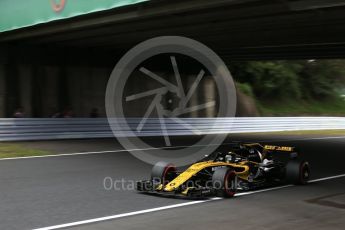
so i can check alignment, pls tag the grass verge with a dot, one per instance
(9, 150)
(334, 107)
(321, 133)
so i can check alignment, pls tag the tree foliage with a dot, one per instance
(306, 79)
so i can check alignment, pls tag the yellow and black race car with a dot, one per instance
(244, 166)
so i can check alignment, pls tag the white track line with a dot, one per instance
(327, 178)
(169, 147)
(125, 214)
(128, 214)
(264, 190)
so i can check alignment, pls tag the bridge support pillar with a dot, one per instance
(2, 91)
(25, 88)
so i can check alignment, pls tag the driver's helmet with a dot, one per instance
(255, 155)
(229, 157)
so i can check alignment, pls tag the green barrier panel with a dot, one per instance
(16, 14)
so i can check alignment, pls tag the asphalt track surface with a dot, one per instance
(51, 191)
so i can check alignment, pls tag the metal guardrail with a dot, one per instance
(80, 128)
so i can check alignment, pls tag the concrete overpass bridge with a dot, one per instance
(66, 60)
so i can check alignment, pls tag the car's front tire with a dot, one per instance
(163, 172)
(224, 181)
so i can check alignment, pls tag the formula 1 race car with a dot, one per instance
(242, 167)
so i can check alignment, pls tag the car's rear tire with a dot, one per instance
(163, 172)
(224, 181)
(297, 172)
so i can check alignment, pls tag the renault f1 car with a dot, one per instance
(242, 167)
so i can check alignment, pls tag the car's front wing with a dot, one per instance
(148, 186)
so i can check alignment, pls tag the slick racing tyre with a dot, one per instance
(297, 172)
(163, 172)
(224, 181)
